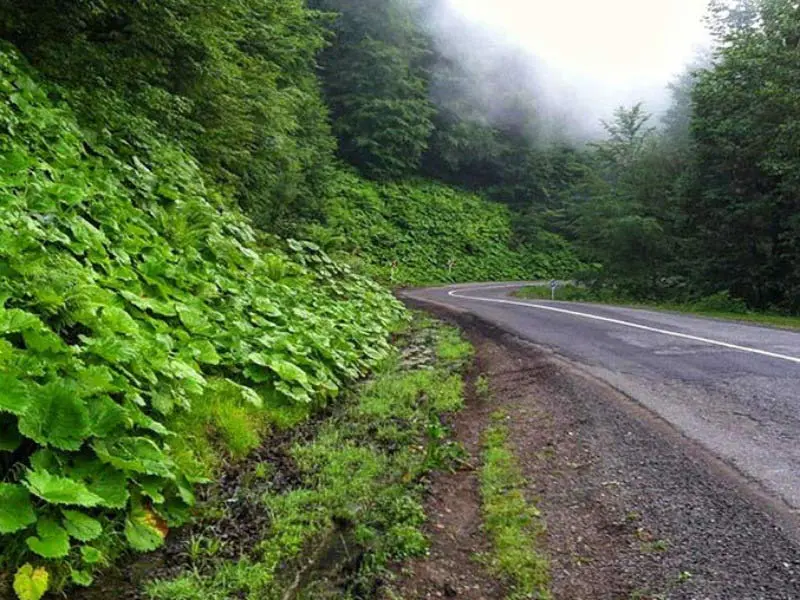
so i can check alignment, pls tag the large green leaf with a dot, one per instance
(118, 320)
(80, 526)
(51, 540)
(60, 490)
(81, 577)
(16, 509)
(110, 485)
(193, 319)
(31, 583)
(97, 379)
(57, 417)
(16, 320)
(153, 488)
(289, 372)
(229, 388)
(15, 394)
(203, 351)
(44, 341)
(144, 530)
(91, 555)
(115, 349)
(157, 306)
(106, 482)
(107, 415)
(137, 454)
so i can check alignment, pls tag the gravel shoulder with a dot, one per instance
(632, 509)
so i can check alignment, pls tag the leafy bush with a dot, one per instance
(420, 233)
(131, 296)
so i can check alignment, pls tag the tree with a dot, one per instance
(619, 221)
(744, 195)
(376, 87)
(233, 82)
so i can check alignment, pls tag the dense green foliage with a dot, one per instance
(744, 199)
(236, 85)
(708, 204)
(132, 295)
(403, 109)
(375, 85)
(417, 233)
(149, 330)
(233, 83)
(357, 505)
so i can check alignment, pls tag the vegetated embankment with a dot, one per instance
(148, 335)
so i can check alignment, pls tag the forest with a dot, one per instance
(160, 161)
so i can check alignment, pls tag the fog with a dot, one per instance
(575, 60)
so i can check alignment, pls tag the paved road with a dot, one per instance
(734, 388)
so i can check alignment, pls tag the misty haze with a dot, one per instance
(575, 60)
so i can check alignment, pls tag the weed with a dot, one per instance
(482, 387)
(201, 547)
(511, 522)
(359, 484)
(452, 347)
(262, 470)
(654, 546)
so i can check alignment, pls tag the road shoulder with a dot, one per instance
(629, 513)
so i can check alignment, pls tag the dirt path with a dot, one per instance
(632, 511)
(454, 526)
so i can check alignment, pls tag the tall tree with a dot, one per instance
(745, 197)
(376, 86)
(619, 220)
(233, 82)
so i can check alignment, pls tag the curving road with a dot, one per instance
(732, 387)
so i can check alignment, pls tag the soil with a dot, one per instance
(453, 567)
(632, 509)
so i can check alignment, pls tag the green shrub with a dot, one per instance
(721, 302)
(137, 308)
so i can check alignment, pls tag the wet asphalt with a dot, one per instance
(735, 391)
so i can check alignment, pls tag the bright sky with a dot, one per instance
(609, 52)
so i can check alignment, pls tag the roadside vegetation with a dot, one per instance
(147, 335)
(514, 526)
(355, 502)
(425, 233)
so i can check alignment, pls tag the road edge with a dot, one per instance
(783, 516)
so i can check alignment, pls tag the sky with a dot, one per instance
(596, 55)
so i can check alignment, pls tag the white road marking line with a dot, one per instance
(685, 336)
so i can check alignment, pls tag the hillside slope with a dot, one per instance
(420, 232)
(146, 332)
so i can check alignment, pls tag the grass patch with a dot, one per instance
(513, 525)
(452, 346)
(359, 504)
(718, 306)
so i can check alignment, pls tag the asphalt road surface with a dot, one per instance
(733, 388)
